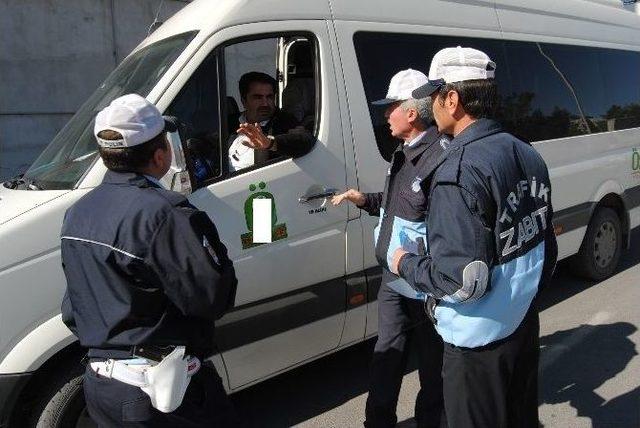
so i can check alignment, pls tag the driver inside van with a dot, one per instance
(263, 131)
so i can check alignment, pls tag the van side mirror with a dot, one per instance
(177, 178)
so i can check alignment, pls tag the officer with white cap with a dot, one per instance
(401, 208)
(491, 248)
(147, 276)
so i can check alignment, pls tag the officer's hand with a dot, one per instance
(256, 138)
(395, 263)
(351, 195)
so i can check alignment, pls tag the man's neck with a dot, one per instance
(413, 134)
(243, 115)
(151, 172)
(462, 124)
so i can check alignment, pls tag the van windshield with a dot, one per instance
(70, 154)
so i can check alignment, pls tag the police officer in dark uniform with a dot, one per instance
(401, 208)
(146, 273)
(491, 248)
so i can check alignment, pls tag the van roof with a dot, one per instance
(621, 22)
(209, 16)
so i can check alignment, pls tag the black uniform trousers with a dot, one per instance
(401, 320)
(112, 403)
(495, 386)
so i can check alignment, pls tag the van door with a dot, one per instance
(291, 298)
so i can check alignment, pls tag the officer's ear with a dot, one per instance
(412, 115)
(453, 105)
(158, 157)
(162, 156)
(451, 101)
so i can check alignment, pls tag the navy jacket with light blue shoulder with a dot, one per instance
(403, 204)
(491, 244)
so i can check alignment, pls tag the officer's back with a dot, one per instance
(114, 244)
(146, 275)
(487, 154)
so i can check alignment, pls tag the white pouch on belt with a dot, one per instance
(165, 383)
(168, 380)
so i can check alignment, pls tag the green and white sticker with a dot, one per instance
(278, 231)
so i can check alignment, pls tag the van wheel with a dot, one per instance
(601, 247)
(62, 404)
(67, 408)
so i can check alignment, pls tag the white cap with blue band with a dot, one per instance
(133, 117)
(457, 64)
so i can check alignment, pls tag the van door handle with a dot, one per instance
(326, 194)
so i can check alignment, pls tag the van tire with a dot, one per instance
(601, 247)
(66, 406)
(60, 398)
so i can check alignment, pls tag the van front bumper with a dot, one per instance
(11, 385)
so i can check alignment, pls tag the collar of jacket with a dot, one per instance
(128, 178)
(479, 129)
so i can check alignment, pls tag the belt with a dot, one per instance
(151, 352)
(132, 371)
(131, 374)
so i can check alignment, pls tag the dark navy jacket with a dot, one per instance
(403, 203)
(491, 244)
(143, 266)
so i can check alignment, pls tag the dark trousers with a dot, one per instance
(399, 321)
(112, 403)
(495, 386)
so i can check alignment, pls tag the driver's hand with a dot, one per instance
(255, 137)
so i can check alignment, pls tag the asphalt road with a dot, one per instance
(589, 368)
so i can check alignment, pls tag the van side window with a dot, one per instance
(621, 75)
(547, 91)
(402, 51)
(197, 108)
(271, 88)
(579, 67)
(541, 104)
(606, 81)
(573, 90)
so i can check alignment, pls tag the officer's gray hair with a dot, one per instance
(422, 106)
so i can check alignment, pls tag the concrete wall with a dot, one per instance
(53, 55)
